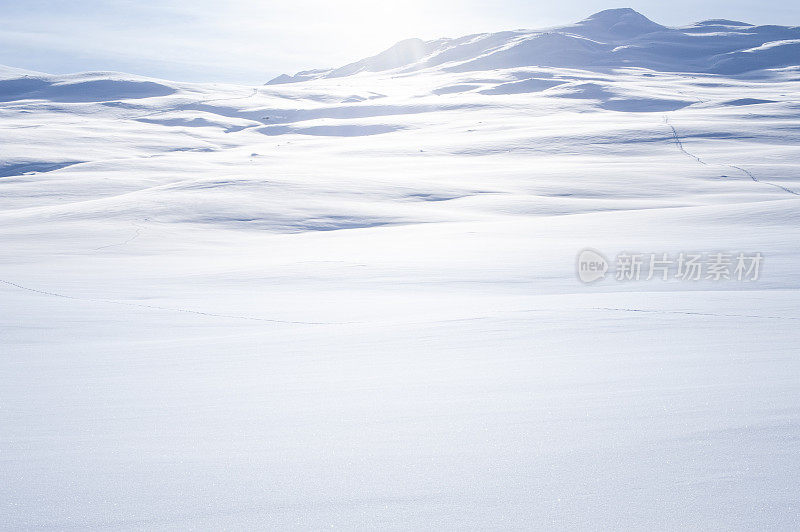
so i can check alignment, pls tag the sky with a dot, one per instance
(239, 41)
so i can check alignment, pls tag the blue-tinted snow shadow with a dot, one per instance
(16, 169)
(100, 90)
(338, 130)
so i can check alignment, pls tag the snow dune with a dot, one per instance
(348, 299)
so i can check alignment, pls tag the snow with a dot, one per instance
(351, 302)
(610, 39)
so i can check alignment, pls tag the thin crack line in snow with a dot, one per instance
(653, 311)
(169, 309)
(255, 91)
(616, 309)
(681, 147)
(754, 178)
(679, 143)
(691, 96)
(692, 313)
(130, 239)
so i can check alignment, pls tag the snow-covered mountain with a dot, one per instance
(351, 301)
(609, 39)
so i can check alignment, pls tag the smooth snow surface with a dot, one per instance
(351, 302)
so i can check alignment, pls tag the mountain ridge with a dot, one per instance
(613, 38)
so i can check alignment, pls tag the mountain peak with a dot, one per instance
(617, 13)
(622, 21)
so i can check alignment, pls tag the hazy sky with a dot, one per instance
(251, 42)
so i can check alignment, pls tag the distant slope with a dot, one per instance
(18, 85)
(609, 39)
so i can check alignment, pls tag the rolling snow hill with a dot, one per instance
(350, 301)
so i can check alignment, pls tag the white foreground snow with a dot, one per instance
(351, 302)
